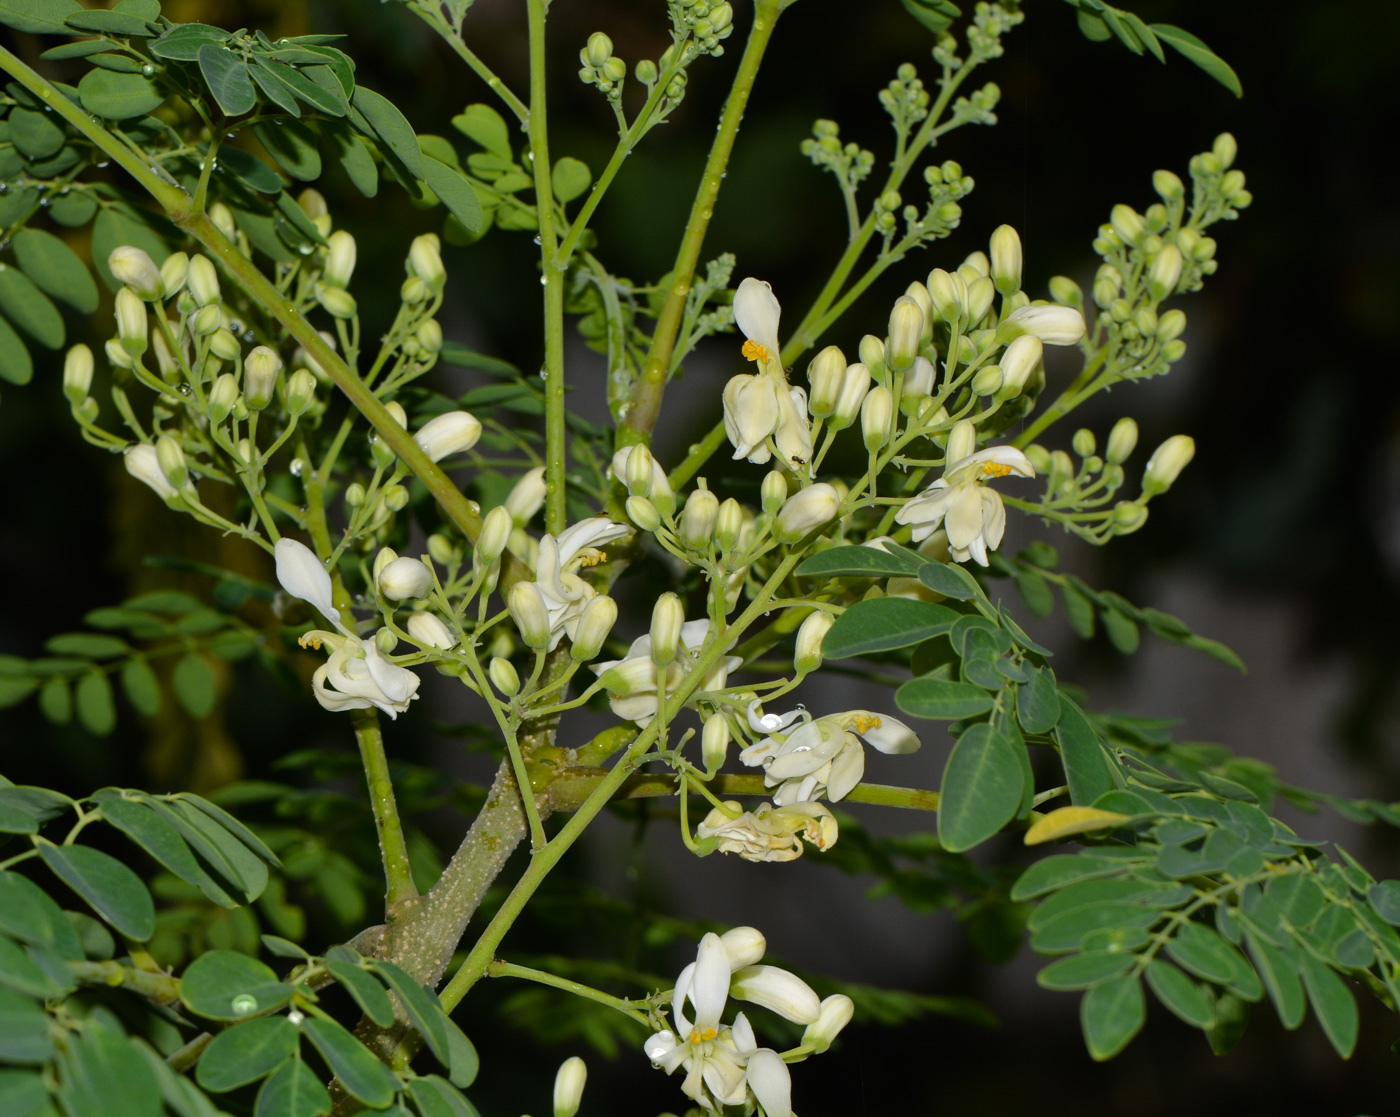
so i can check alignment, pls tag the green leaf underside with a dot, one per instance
(884, 623)
(213, 982)
(981, 791)
(109, 887)
(366, 991)
(55, 269)
(1111, 1014)
(294, 1091)
(247, 1052)
(360, 1073)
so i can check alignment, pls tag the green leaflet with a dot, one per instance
(38, 17)
(16, 365)
(112, 890)
(247, 1052)
(883, 623)
(294, 1091)
(225, 985)
(982, 784)
(55, 269)
(29, 308)
(1111, 1014)
(116, 96)
(104, 1072)
(390, 126)
(361, 1073)
(227, 76)
(455, 192)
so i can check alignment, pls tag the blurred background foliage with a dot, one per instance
(1283, 537)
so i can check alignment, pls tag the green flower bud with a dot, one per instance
(413, 291)
(824, 375)
(504, 677)
(165, 362)
(117, 356)
(341, 254)
(667, 616)
(720, 17)
(836, 1012)
(1006, 260)
(260, 376)
(807, 656)
(1167, 462)
(980, 293)
(1127, 223)
(207, 320)
(173, 273)
(697, 525)
(171, 458)
(598, 50)
(872, 354)
(1122, 440)
(614, 70)
(1145, 319)
(1174, 350)
(527, 495)
(729, 524)
(131, 321)
(224, 345)
(1083, 442)
(429, 336)
(773, 491)
(313, 203)
(222, 217)
(395, 498)
(813, 507)
(77, 373)
(337, 302)
(133, 267)
(1165, 271)
(962, 441)
(987, 381)
(427, 630)
(714, 742)
(1062, 464)
(949, 294)
(1019, 361)
(354, 494)
(87, 410)
(594, 625)
(527, 609)
(906, 332)
(855, 382)
(640, 471)
(1039, 458)
(645, 70)
(1168, 186)
(876, 412)
(301, 391)
(1171, 325)
(1128, 516)
(496, 528)
(917, 386)
(441, 550)
(643, 513)
(223, 397)
(919, 293)
(1224, 149)
(1065, 290)
(425, 261)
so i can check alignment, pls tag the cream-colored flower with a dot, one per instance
(762, 412)
(770, 833)
(825, 755)
(972, 514)
(565, 594)
(632, 682)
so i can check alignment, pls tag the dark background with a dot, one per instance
(1282, 538)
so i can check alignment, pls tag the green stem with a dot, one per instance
(699, 454)
(499, 968)
(159, 987)
(398, 875)
(434, 19)
(645, 403)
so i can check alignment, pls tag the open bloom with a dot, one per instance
(633, 682)
(724, 1064)
(357, 675)
(762, 411)
(825, 755)
(972, 514)
(770, 833)
(565, 594)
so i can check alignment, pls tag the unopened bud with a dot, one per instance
(1054, 325)
(386, 641)
(442, 550)
(354, 494)
(1083, 442)
(260, 377)
(224, 345)
(527, 495)
(1122, 440)
(568, 1083)
(337, 302)
(875, 415)
(643, 513)
(222, 217)
(835, 1013)
(428, 630)
(714, 742)
(1170, 325)
(142, 462)
(131, 321)
(645, 71)
(872, 354)
(1019, 361)
(425, 261)
(134, 268)
(395, 497)
(1065, 290)
(667, 617)
(595, 624)
(697, 526)
(729, 524)
(1006, 259)
(301, 391)
(313, 203)
(448, 434)
(1167, 462)
(1225, 149)
(918, 385)
(987, 381)
(208, 320)
(1168, 186)
(638, 470)
(405, 579)
(202, 280)
(527, 609)
(77, 373)
(1165, 272)
(117, 356)
(949, 294)
(171, 457)
(413, 290)
(1128, 516)
(599, 49)
(807, 656)
(173, 273)
(773, 491)
(1127, 223)
(980, 293)
(906, 333)
(814, 507)
(340, 259)
(824, 375)
(855, 382)
(1040, 458)
(496, 528)
(919, 293)
(504, 677)
(962, 442)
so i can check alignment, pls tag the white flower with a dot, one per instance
(143, 463)
(825, 755)
(972, 514)
(724, 1064)
(763, 406)
(633, 681)
(447, 434)
(357, 675)
(770, 833)
(756, 313)
(565, 594)
(1054, 325)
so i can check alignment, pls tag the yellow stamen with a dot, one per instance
(591, 557)
(995, 469)
(310, 640)
(864, 724)
(697, 1036)
(753, 351)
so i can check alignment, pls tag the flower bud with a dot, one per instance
(645, 71)
(224, 345)
(1168, 186)
(1065, 290)
(906, 333)
(134, 268)
(1225, 149)
(527, 609)
(165, 362)
(1170, 325)
(382, 560)
(354, 494)
(1122, 440)
(980, 293)
(131, 321)
(568, 1083)
(714, 743)
(729, 524)
(447, 434)
(77, 373)
(208, 320)
(638, 471)
(918, 385)
(143, 463)
(962, 442)
(855, 382)
(395, 497)
(1018, 362)
(697, 526)
(260, 371)
(413, 291)
(496, 527)
(170, 455)
(919, 293)
(599, 49)
(1053, 325)
(404, 579)
(301, 391)
(385, 641)
(643, 513)
(243, 450)
(428, 630)
(425, 261)
(504, 677)
(875, 415)
(949, 294)
(824, 376)
(814, 507)
(527, 496)
(340, 259)
(1083, 442)
(1006, 260)
(987, 381)
(745, 946)
(872, 354)
(223, 397)
(1165, 272)
(807, 656)
(173, 273)
(595, 624)
(337, 302)
(1127, 223)
(313, 203)
(773, 491)
(1128, 516)
(116, 355)
(667, 616)
(202, 280)
(222, 217)
(1173, 350)
(1167, 462)
(835, 1013)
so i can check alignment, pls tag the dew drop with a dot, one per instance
(249, 336)
(298, 467)
(537, 240)
(148, 69)
(183, 389)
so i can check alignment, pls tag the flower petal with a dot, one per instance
(891, 736)
(756, 313)
(709, 985)
(770, 1082)
(776, 989)
(847, 769)
(303, 576)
